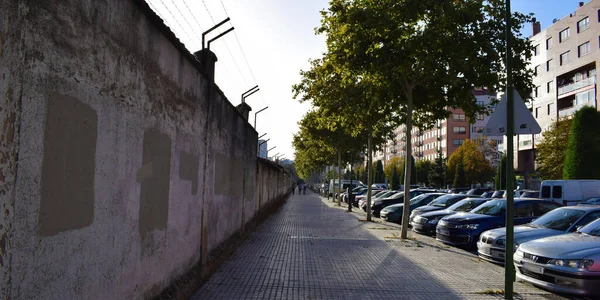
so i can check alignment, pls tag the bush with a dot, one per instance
(581, 161)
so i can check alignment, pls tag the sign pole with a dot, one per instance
(509, 267)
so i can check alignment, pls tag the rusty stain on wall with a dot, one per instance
(68, 167)
(188, 169)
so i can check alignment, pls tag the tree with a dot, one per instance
(379, 174)
(437, 173)
(581, 159)
(423, 168)
(393, 164)
(395, 180)
(331, 174)
(403, 46)
(347, 174)
(413, 172)
(469, 161)
(500, 178)
(551, 151)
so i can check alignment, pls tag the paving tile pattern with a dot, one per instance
(312, 250)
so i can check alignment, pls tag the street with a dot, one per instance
(313, 250)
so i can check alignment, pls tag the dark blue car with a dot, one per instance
(463, 229)
(427, 222)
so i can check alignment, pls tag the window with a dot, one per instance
(557, 191)
(549, 43)
(543, 208)
(549, 65)
(550, 86)
(460, 130)
(536, 91)
(457, 143)
(583, 24)
(479, 129)
(564, 58)
(546, 192)
(536, 50)
(537, 112)
(549, 108)
(586, 220)
(524, 209)
(480, 117)
(536, 70)
(458, 117)
(583, 49)
(479, 103)
(564, 35)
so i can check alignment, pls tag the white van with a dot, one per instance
(569, 192)
(334, 184)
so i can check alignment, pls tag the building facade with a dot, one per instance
(565, 62)
(262, 149)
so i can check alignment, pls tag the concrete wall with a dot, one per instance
(119, 169)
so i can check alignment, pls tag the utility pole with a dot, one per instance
(509, 267)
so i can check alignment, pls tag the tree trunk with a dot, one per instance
(339, 196)
(369, 172)
(408, 164)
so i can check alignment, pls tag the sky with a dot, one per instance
(272, 41)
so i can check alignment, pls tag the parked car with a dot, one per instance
(530, 194)
(458, 190)
(463, 229)
(568, 263)
(488, 194)
(516, 194)
(361, 190)
(439, 203)
(498, 194)
(591, 201)
(426, 223)
(477, 191)
(393, 213)
(378, 205)
(362, 203)
(559, 221)
(381, 186)
(374, 194)
(569, 192)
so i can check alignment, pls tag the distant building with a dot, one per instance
(262, 149)
(565, 62)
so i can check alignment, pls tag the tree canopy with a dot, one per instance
(470, 162)
(550, 156)
(581, 158)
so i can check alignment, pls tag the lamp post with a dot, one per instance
(256, 113)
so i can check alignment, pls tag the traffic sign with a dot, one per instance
(524, 122)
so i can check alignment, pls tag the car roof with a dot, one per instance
(584, 207)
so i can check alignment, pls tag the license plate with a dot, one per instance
(444, 231)
(485, 251)
(497, 253)
(533, 268)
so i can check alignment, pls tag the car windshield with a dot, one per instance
(558, 219)
(419, 199)
(592, 228)
(592, 201)
(491, 208)
(465, 205)
(530, 194)
(442, 201)
(385, 194)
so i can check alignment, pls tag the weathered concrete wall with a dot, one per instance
(111, 153)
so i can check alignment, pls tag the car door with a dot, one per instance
(524, 212)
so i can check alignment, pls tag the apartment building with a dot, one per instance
(446, 135)
(565, 62)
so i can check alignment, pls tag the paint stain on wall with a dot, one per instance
(68, 167)
(188, 169)
(154, 176)
(229, 175)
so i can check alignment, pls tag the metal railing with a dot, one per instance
(571, 110)
(576, 85)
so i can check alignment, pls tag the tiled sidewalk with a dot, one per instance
(313, 250)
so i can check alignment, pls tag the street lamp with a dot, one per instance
(256, 113)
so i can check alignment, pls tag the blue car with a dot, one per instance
(463, 229)
(427, 222)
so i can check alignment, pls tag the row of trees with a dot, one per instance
(392, 62)
(569, 150)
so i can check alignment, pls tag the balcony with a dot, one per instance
(419, 143)
(571, 110)
(576, 85)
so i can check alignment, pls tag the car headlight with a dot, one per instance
(572, 263)
(467, 226)
(433, 221)
(518, 252)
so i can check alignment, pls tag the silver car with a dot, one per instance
(568, 263)
(559, 221)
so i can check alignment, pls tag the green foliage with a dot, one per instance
(436, 174)
(395, 180)
(469, 161)
(413, 170)
(581, 159)
(423, 168)
(551, 151)
(394, 163)
(379, 174)
(460, 179)
(500, 178)
(331, 174)
(347, 174)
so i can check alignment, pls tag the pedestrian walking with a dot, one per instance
(304, 189)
